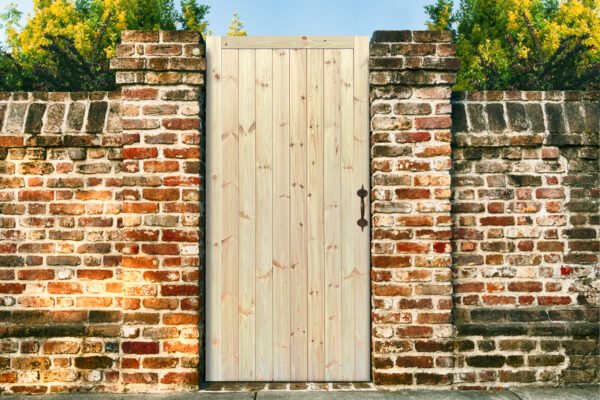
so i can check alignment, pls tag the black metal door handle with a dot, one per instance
(362, 222)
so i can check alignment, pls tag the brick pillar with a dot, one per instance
(410, 77)
(161, 76)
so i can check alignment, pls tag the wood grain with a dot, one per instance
(332, 218)
(247, 214)
(281, 215)
(299, 310)
(288, 42)
(315, 213)
(287, 288)
(264, 215)
(230, 218)
(214, 217)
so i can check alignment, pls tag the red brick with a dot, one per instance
(160, 303)
(94, 274)
(61, 347)
(12, 288)
(180, 378)
(434, 151)
(412, 193)
(553, 300)
(64, 288)
(161, 194)
(412, 137)
(179, 347)
(161, 166)
(91, 302)
(36, 195)
(433, 122)
(525, 286)
(141, 378)
(469, 287)
(180, 319)
(160, 362)
(179, 290)
(161, 276)
(140, 94)
(414, 362)
(140, 235)
(497, 221)
(140, 208)
(414, 331)
(172, 235)
(383, 261)
(415, 221)
(93, 195)
(189, 152)
(497, 300)
(140, 347)
(139, 152)
(139, 262)
(549, 193)
(36, 274)
(411, 247)
(181, 123)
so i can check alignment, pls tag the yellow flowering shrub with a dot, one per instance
(523, 44)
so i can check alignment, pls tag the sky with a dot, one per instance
(305, 17)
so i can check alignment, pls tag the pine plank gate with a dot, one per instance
(288, 294)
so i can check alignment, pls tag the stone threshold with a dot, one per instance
(289, 386)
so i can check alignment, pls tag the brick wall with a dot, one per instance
(60, 201)
(526, 237)
(485, 227)
(100, 221)
(161, 75)
(411, 74)
(484, 265)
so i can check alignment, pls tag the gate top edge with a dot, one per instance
(288, 42)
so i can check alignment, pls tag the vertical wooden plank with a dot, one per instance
(362, 294)
(230, 234)
(281, 215)
(264, 214)
(247, 213)
(348, 217)
(298, 214)
(213, 214)
(316, 239)
(332, 126)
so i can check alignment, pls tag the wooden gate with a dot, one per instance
(287, 285)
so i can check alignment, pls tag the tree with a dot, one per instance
(236, 27)
(193, 16)
(67, 44)
(523, 44)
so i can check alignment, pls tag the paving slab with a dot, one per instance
(165, 396)
(572, 393)
(542, 393)
(403, 395)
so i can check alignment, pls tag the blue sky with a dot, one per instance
(306, 17)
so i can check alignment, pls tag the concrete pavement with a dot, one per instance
(591, 392)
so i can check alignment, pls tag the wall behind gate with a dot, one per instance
(526, 226)
(100, 234)
(485, 227)
(60, 250)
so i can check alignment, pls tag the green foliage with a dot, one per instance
(441, 15)
(67, 44)
(10, 16)
(523, 44)
(236, 26)
(193, 16)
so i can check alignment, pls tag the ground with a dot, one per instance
(591, 392)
